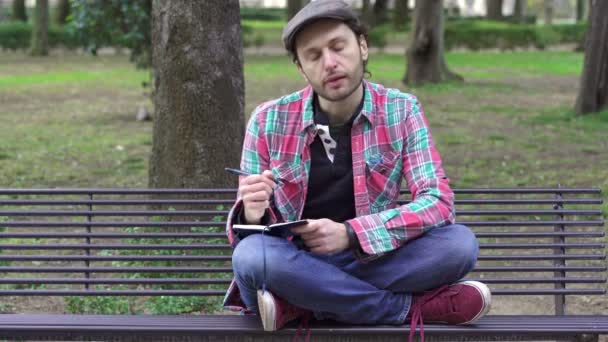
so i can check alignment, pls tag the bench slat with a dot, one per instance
(46, 224)
(226, 281)
(141, 292)
(521, 212)
(517, 234)
(250, 325)
(230, 201)
(515, 257)
(227, 247)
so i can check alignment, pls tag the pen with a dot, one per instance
(237, 171)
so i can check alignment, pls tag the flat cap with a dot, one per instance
(314, 10)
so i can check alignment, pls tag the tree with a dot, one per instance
(19, 12)
(115, 23)
(401, 14)
(548, 9)
(494, 9)
(199, 93)
(593, 91)
(40, 32)
(520, 9)
(366, 14)
(293, 6)
(425, 54)
(580, 10)
(380, 12)
(62, 12)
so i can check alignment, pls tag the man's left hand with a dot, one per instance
(323, 236)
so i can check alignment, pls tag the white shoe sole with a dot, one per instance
(486, 295)
(266, 305)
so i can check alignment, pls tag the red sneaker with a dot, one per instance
(460, 303)
(275, 312)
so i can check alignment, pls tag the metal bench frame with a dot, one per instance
(84, 220)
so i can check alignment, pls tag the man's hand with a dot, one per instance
(323, 236)
(255, 190)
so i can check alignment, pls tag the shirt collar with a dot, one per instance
(367, 111)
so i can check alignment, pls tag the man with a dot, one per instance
(335, 153)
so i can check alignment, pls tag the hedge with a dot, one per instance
(474, 35)
(504, 36)
(15, 35)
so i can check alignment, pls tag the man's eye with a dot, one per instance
(314, 57)
(339, 47)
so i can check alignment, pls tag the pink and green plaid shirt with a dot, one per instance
(390, 141)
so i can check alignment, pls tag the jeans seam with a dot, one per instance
(406, 310)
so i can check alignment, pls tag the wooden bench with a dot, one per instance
(540, 248)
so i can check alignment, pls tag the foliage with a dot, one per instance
(16, 35)
(378, 36)
(99, 305)
(477, 35)
(262, 14)
(114, 23)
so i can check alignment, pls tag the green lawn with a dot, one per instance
(69, 120)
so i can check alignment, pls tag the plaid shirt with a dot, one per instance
(390, 140)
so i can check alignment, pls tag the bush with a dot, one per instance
(571, 33)
(16, 35)
(483, 34)
(378, 37)
(246, 35)
(263, 14)
(546, 36)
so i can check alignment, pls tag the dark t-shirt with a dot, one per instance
(330, 184)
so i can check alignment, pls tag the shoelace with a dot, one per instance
(304, 323)
(417, 312)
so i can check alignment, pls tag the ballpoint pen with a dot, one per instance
(237, 171)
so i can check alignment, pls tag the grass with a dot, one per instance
(69, 120)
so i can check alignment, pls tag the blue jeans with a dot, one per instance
(338, 287)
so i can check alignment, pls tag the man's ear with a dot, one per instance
(363, 47)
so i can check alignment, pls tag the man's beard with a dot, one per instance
(358, 76)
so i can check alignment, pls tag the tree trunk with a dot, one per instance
(494, 9)
(19, 12)
(593, 92)
(366, 13)
(401, 14)
(380, 12)
(548, 9)
(293, 6)
(425, 59)
(519, 10)
(199, 93)
(40, 31)
(62, 12)
(580, 10)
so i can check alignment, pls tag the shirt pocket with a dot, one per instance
(288, 195)
(383, 178)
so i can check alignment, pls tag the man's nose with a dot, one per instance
(329, 59)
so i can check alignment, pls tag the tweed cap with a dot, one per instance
(319, 9)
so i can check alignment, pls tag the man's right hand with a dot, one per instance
(255, 191)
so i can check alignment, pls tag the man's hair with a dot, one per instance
(359, 29)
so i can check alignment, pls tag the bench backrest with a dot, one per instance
(171, 242)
